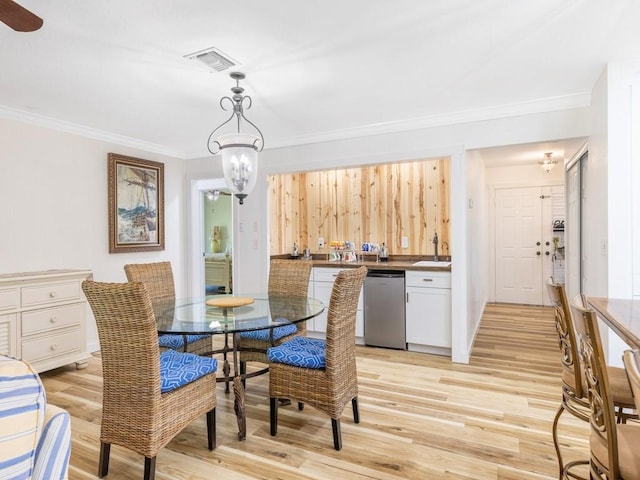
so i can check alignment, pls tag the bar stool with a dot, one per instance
(631, 359)
(574, 395)
(613, 447)
(574, 387)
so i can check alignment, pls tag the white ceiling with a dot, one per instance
(316, 70)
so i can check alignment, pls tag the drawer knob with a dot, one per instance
(54, 346)
(53, 319)
(52, 294)
(427, 279)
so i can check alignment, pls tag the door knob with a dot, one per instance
(538, 243)
(537, 253)
(546, 253)
(546, 243)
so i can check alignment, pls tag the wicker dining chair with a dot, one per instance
(148, 396)
(322, 373)
(286, 277)
(613, 447)
(158, 278)
(574, 387)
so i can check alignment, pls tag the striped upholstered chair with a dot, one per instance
(35, 438)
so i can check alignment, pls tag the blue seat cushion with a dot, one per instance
(178, 369)
(176, 342)
(300, 352)
(265, 335)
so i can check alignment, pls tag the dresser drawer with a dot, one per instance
(37, 321)
(428, 279)
(62, 342)
(50, 292)
(9, 299)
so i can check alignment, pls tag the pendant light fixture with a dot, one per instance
(213, 195)
(547, 163)
(239, 150)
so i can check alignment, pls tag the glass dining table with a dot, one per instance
(230, 316)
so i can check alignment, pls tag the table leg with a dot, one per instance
(226, 369)
(238, 392)
(238, 407)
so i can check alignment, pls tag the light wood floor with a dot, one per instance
(422, 417)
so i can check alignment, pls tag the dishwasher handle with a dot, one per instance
(386, 273)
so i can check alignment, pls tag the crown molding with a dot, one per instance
(566, 102)
(551, 104)
(88, 132)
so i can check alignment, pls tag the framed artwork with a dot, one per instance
(136, 204)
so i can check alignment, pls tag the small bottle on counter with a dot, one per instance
(384, 253)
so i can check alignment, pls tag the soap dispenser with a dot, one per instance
(295, 250)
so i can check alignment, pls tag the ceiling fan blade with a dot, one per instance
(18, 18)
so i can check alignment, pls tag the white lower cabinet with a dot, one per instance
(428, 311)
(43, 318)
(322, 279)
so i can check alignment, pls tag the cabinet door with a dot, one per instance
(322, 292)
(360, 320)
(8, 335)
(428, 316)
(323, 279)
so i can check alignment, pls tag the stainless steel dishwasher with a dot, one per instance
(384, 303)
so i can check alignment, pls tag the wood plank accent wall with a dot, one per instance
(377, 203)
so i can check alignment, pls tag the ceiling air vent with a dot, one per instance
(213, 58)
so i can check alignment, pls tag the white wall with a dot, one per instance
(620, 253)
(449, 140)
(609, 254)
(53, 192)
(477, 243)
(524, 176)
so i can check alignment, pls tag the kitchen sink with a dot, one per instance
(431, 263)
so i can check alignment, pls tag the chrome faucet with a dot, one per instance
(435, 243)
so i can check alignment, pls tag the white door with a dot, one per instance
(523, 244)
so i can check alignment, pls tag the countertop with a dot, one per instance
(398, 262)
(622, 315)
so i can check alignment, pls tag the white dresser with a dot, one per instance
(43, 317)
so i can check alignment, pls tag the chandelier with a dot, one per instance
(547, 163)
(239, 150)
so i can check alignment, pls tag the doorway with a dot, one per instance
(200, 231)
(217, 223)
(525, 243)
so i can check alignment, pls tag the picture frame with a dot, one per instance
(136, 204)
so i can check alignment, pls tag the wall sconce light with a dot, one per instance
(238, 151)
(547, 163)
